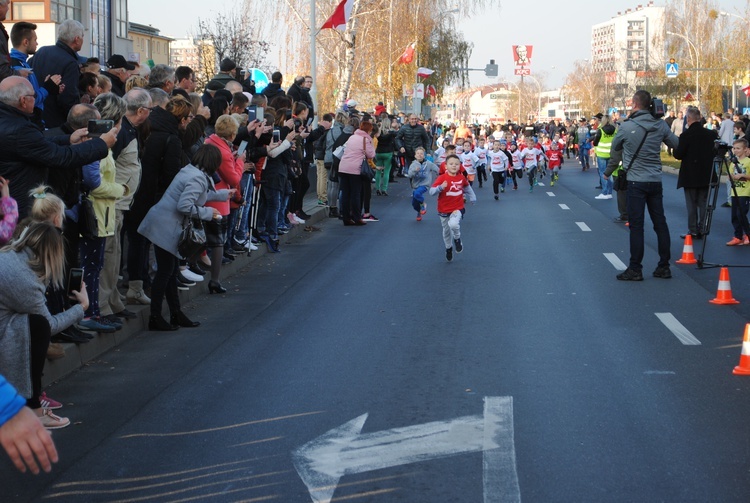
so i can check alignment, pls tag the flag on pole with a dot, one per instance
(688, 96)
(746, 90)
(407, 56)
(340, 16)
(424, 72)
(431, 91)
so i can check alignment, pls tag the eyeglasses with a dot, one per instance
(29, 96)
(147, 109)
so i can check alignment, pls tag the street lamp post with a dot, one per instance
(539, 104)
(697, 61)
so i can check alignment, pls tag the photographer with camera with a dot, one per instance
(696, 151)
(640, 137)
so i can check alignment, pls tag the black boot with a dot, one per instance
(333, 212)
(156, 322)
(181, 320)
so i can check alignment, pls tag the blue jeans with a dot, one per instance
(601, 165)
(247, 192)
(583, 156)
(640, 196)
(272, 205)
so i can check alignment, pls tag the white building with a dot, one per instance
(629, 47)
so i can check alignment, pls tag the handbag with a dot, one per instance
(366, 173)
(88, 226)
(192, 238)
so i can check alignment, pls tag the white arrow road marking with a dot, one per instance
(551, 194)
(678, 329)
(583, 226)
(564, 206)
(344, 450)
(615, 261)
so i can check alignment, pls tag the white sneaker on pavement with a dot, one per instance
(190, 275)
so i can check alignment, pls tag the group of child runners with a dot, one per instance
(451, 172)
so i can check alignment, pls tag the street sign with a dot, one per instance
(345, 450)
(672, 69)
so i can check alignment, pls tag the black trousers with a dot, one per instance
(165, 282)
(40, 334)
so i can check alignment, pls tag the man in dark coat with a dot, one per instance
(118, 72)
(696, 151)
(26, 156)
(299, 92)
(274, 88)
(409, 137)
(61, 59)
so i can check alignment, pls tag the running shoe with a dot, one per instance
(459, 245)
(49, 403)
(419, 217)
(53, 422)
(735, 242)
(449, 254)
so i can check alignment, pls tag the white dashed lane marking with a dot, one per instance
(583, 226)
(564, 206)
(551, 194)
(615, 261)
(678, 329)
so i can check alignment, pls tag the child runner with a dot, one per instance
(530, 157)
(555, 161)
(517, 162)
(469, 162)
(741, 203)
(498, 167)
(440, 153)
(450, 188)
(481, 152)
(421, 173)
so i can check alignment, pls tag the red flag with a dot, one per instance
(746, 90)
(688, 96)
(424, 72)
(431, 91)
(340, 16)
(408, 55)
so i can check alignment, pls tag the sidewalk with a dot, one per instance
(78, 355)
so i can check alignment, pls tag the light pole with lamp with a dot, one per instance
(697, 61)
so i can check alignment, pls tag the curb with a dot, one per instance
(78, 355)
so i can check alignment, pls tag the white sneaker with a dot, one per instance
(190, 275)
(602, 196)
(609, 196)
(250, 246)
(52, 421)
(298, 219)
(292, 218)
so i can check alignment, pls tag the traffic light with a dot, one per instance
(491, 69)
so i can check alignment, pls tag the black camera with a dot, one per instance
(657, 108)
(721, 148)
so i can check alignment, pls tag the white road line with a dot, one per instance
(564, 206)
(615, 261)
(678, 329)
(551, 194)
(499, 460)
(583, 226)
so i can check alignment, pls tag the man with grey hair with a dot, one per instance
(696, 151)
(118, 71)
(61, 59)
(162, 77)
(26, 156)
(159, 97)
(5, 69)
(128, 172)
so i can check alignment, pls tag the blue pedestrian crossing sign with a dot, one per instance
(672, 69)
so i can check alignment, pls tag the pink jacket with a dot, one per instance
(230, 172)
(354, 154)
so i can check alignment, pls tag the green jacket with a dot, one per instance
(106, 195)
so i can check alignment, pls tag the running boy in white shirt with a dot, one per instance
(498, 167)
(517, 163)
(481, 152)
(469, 162)
(530, 156)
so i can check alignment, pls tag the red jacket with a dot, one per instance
(230, 172)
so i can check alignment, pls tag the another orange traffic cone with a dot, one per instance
(688, 257)
(724, 292)
(743, 368)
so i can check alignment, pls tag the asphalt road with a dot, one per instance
(359, 364)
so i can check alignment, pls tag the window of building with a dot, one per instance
(121, 14)
(60, 10)
(28, 11)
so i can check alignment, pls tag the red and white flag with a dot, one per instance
(408, 55)
(431, 91)
(746, 90)
(340, 16)
(688, 96)
(424, 72)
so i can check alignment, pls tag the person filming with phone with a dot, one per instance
(30, 264)
(26, 156)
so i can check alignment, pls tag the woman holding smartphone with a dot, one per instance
(30, 264)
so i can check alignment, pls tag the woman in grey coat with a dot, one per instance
(27, 266)
(185, 197)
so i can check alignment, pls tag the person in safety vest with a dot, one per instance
(602, 146)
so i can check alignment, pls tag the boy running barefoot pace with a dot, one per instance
(450, 188)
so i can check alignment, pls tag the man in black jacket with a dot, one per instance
(26, 156)
(299, 92)
(61, 59)
(696, 151)
(409, 137)
(274, 88)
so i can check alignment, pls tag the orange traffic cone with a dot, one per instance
(744, 367)
(724, 292)
(687, 251)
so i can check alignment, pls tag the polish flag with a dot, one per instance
(688, 96)
(424, 72)
(431, 91)
(746, 90)
(408, 55)
(340, 16)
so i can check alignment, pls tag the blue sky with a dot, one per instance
(559, 31)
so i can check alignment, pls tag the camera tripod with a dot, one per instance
(722, 164)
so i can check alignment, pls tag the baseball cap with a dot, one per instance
(582, 119)
(119, 61)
